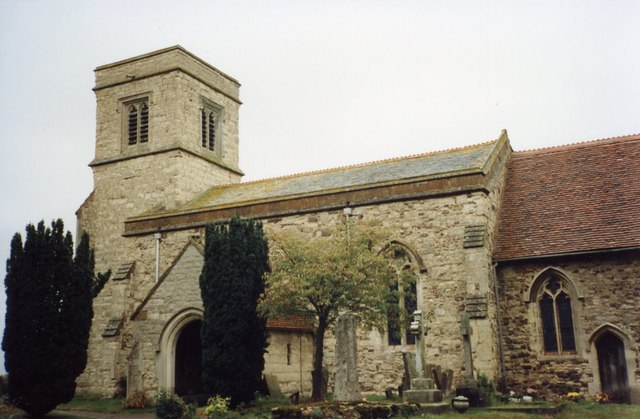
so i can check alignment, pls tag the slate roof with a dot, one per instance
(429, 165)
(577, 198)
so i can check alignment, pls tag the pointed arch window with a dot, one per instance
(403, 300)
(556, 315)
(137, 122)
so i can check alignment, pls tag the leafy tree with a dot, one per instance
(351, 271)
(234, 335)
(49, 313)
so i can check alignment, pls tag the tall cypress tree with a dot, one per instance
(49, 312)
(234, 335)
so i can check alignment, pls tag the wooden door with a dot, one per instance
(613, 368)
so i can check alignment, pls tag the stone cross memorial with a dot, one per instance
(469, 387)
(467, 331)
(422, 390)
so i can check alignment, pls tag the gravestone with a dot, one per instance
(346, 387)
(273, 385)
(469, 387)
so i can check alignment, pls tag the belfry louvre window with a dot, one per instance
(556, 317)
(209, 124)
(138, 122)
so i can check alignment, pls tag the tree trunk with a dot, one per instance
(318, 380)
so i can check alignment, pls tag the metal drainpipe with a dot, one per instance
(300, 359)
(498, 320)
(158, 237)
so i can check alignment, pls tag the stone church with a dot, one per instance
(540, 249)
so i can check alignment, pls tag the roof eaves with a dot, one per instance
(576, 145)
(190, 209)
(564, 254)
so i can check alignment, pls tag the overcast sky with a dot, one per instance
(324, 83)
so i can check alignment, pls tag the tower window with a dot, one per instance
(210, 119)
(209, 122)
(138, 122)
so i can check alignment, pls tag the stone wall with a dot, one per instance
(290, 357)
(433, 229)
(609, 294)
(174, 118)
(147, 340)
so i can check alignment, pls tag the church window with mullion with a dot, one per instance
(556, 315)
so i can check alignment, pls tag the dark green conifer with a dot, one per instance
(234, 336)
(49, 312)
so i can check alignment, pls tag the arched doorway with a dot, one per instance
(168, 345)
(612, 367)
(188, 361)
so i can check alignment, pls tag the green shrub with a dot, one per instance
(171, 406)
(486, 385)
(138, 400)
(218, 408)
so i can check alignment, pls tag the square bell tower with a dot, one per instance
(166, 130)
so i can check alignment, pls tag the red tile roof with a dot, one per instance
(292, 323)
(576, 198)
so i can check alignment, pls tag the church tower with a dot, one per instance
(166, 130)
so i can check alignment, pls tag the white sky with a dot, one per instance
(324, 83)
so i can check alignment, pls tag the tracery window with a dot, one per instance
(138, 122)
(404, 301)
(556, 316)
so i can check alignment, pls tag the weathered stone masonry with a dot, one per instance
(610, 295)
(474, 222)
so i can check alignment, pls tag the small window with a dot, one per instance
(137, 122)
(209, 127)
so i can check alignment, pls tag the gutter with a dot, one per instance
(580, 253)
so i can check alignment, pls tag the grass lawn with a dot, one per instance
(571, 410)
(92, 403)
(262, 409)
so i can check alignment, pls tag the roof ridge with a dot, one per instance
(363, 164)
(575, 145)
